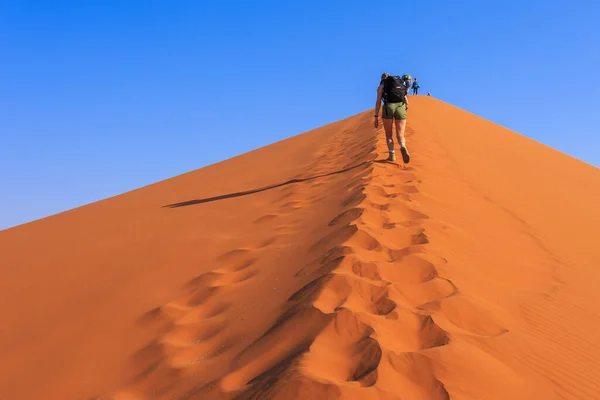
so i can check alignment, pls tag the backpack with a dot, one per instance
(394, 90)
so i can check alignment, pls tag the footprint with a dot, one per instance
(233, 278)
(408, 177)
(389, 225)
(176, 310)
(155, 375)
(286, 229)
(201, 295)
(213, 309)
(282, 341)
(286, 195)
(234, 255)
(362, 240)
(424, 295)
(396, 255)
(356, 182)
(420, 238)
(366, 270)
(185, 335)
(203, 352)
(155, 318)
(380, 207)
(370, 298)
(354, 199)
(203, 280)
(415, 372)
(339, 235)
(309, 292)
(237, 267)
(268, 242)
(413, 215)
(333, 294)
(266, 218)
(150, 354)
(314, 199)
(342, 352)
(380, 191)
(346, 217)
(410, 189)
(460, 314)
(404, 331)
(321, 267)
(411, 270)
(405, 177)
(292, 206)
(374, 217)
(365, 357)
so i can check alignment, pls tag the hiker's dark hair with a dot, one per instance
(383, 76)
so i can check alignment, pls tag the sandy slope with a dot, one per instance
(469, 274)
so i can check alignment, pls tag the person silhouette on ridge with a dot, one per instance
(415, 87)
(392, 91)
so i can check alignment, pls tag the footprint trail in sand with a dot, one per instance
(373, 309)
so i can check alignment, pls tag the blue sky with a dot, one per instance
(101, 97)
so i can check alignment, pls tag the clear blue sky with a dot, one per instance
(101, 97)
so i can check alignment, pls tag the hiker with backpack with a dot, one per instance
(392, 91)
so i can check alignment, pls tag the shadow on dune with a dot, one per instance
(264, 188)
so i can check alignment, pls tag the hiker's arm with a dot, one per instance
(378, 103)
(378, 106)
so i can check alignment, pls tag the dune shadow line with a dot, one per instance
(262, 189)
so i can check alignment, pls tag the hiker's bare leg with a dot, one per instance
(389, 135)
(400, 128)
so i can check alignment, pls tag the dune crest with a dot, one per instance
(332, 276)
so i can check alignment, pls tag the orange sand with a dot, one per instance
(472, 273)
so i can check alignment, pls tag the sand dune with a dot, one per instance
(310, 269)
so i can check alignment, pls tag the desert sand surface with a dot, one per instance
(310, 269)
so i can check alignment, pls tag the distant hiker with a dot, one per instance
(392, 91)
(415, 87)
(429, 94)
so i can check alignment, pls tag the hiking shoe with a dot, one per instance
(405, 155)
(392, 157)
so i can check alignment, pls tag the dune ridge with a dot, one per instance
(362, 327)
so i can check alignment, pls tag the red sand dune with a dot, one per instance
(472, 273)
